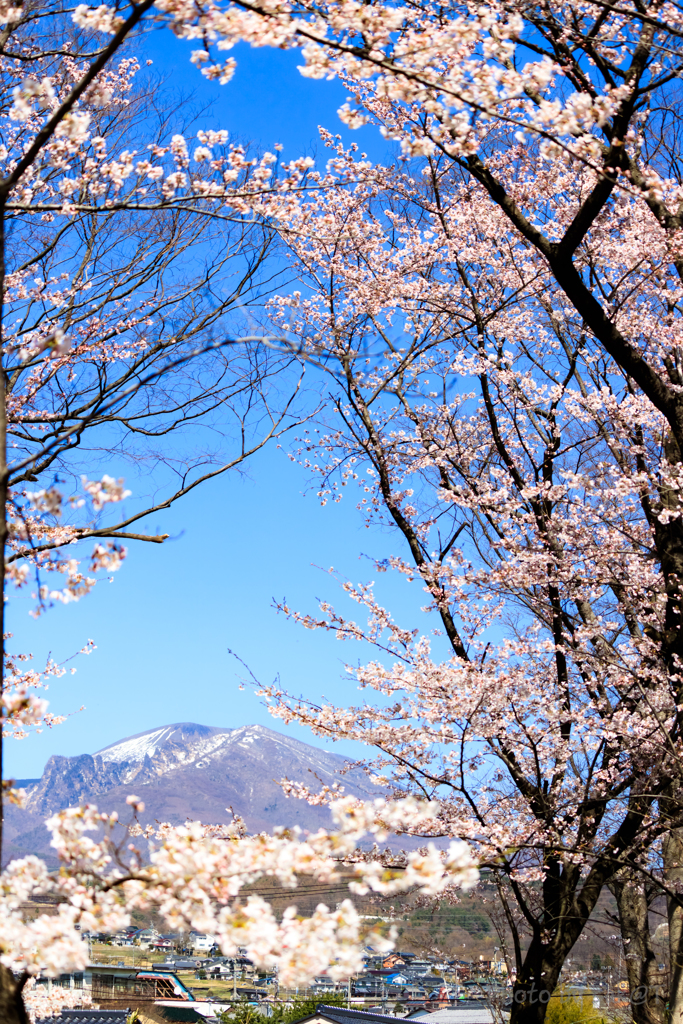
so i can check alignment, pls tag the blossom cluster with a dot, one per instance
(195, 875)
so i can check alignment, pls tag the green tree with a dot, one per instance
(283, 1013)
(564, 1009)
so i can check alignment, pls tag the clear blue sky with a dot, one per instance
(163, 627)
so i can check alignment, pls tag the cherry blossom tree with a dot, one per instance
(561, 122)
(561, 118)
(126, 253)
(529, 479)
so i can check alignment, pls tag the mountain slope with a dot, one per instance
(187, 771)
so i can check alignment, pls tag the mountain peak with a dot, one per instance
(135, 749)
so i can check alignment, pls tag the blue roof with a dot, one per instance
(156, 973)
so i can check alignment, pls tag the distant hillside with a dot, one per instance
(185, 771)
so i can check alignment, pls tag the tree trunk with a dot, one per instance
(532, 990)
(12, 1009)
(673, 873)
(646, 993)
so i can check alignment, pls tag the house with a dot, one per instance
(418, 966)
(106, 983)
(219, 971)
(128, 988)
(462, 968)
(413, 992)
(430, 981)
(396, 979)
(197, 941)
(145, 936)
(323, 984)
(393, 960)
(367, 986)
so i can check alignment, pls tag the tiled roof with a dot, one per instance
(341, 1015)
(469, 1013)
(88, 1017)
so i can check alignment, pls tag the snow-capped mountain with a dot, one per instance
(188, 771)
(183, 738)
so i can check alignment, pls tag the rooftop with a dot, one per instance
(88, 1017)
(342, 1015)
(466, 1012)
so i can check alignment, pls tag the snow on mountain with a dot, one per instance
(137, 748)
(185, 744)
(184, 740)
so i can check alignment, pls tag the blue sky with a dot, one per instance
(267, 101)
(164, 626)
